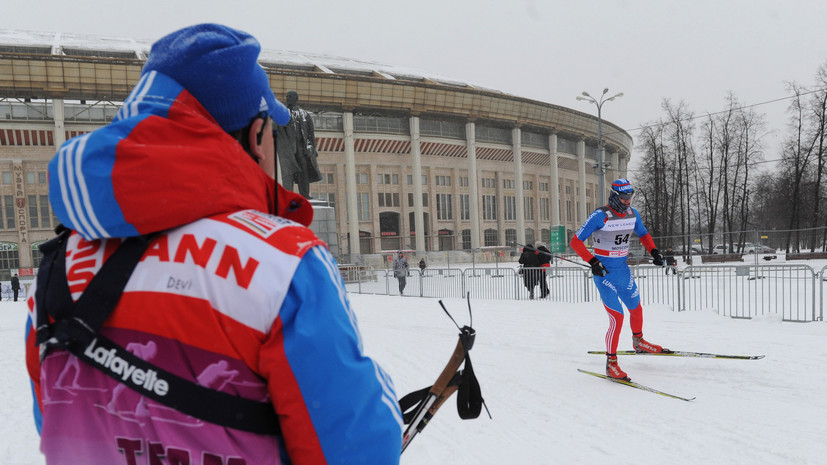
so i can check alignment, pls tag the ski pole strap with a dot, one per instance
(469, 394)
(464, 382)
(410, 403)
(77, 325)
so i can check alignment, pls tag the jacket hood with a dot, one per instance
(162, 162)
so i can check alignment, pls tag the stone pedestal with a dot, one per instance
(324, 225)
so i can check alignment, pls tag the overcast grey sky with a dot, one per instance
(550, 51)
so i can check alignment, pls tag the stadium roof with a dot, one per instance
(57, 43)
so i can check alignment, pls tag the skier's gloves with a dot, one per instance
(597, 268)
(657, 257)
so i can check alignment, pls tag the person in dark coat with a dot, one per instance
(530, 259)
(15, 286)
(422, 264)
(671, 263)
(544, 256)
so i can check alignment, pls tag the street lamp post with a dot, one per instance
(601, 169)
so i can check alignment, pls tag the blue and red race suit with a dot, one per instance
(610, 232)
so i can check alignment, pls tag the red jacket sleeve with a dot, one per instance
(648, 242)
(580, 248)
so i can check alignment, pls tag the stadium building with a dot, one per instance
(409, 160)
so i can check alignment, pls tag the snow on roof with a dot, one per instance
(120, 47)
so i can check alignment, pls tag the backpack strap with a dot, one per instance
(77, 325)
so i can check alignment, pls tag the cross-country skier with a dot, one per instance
(610, 227)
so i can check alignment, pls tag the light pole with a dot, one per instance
(601, 170)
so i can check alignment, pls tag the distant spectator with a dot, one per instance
(671, 263)
(400, 270)
(544, 257)
(530, 259)
(422, 264)
(15, 286)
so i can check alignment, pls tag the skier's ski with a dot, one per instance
(635, 385)
(682, 353)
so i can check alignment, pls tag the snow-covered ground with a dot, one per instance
(769, 411)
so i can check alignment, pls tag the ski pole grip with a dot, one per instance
(448, 372)
(443, 396)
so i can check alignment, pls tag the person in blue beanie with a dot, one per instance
(231, 339)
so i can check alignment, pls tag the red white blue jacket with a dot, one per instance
(611, 232)
(229, 297)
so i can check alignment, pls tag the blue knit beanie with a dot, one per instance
(218, 66)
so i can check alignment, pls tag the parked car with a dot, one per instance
(720, 249)
(694, 250)
(749, 247)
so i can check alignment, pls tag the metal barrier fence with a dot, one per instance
(746, 291)
(796, 292)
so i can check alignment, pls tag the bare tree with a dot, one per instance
(709, 178)
(664, 180)
(795, 161)
(679, 135)
(818, 128)
(651, 177)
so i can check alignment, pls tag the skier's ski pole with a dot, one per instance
(451, 380)
(439, 392)
(550, 254)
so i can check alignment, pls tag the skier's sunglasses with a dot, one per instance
(625, 196)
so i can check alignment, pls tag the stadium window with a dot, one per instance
(489, 207)
(36, 177)
(443, 207)
(328, 197)
(529, 209)
(9, 257)
(363, 206)
(490, 237)
(510, 208)
(466, 239)
(8, 211)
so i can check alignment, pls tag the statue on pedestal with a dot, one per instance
(296, 148)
